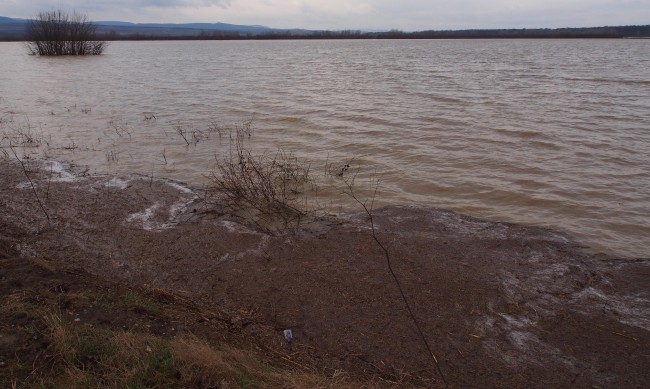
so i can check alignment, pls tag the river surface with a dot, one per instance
(546, 132)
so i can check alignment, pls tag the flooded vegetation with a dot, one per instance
(550, 133)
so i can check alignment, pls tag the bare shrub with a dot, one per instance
(342, 170)
(246, 128)
(268, 189)
(121, 127)
(21, 134)
(276, 191)
(56, 33)
(112, 155)
(71, 146)
(215, 127)
(191, 136)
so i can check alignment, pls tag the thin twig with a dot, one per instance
(368, 211)
(47, 193)
(38, 199)
(181, 132)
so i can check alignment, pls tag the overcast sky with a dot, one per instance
(408, 15)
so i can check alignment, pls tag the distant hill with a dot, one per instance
(186, 29)
(14, 30)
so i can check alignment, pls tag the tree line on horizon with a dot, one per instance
(24, 31)
(541, 33)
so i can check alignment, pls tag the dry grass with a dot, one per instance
(228, 367)
(85, 356)
(15, 302)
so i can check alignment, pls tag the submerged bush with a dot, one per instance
(56, 33)
(270, 187)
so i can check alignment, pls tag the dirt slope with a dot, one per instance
(501, 305)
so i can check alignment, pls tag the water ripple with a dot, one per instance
(554, 133)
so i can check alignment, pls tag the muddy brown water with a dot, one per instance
(551, 133)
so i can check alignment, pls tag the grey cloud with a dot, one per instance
(108, 4)
(134, 4)
(338, 14)
(187, 3)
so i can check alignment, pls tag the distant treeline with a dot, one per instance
(565, 33)
(16, 32)
(590, 32)
(560, 33)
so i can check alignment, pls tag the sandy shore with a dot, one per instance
(501, 305)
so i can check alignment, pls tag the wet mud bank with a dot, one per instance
(501, 305)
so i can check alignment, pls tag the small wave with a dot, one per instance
(291, 119)
(520, 133)
(546, 145)
(608, 80)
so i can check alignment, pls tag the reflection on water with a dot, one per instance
(552, 133)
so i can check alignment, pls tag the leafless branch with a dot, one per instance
(349, 190)
(31, 183)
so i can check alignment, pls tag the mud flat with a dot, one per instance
(501, 305)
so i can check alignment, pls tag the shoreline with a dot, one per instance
(501, 159)
(501, 304)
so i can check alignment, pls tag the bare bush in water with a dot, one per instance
(268, 188)
(56, 33)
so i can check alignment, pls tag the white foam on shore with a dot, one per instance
(185, 198)
(539, 288)
(180, 187)
(514, 339)
(61, 170)
(56, 172)
(177, 207)
(235, 227)
(117, 182)
(24, 185)
(256, 251)
(630, 310)
(175, 210)
(145, 217)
